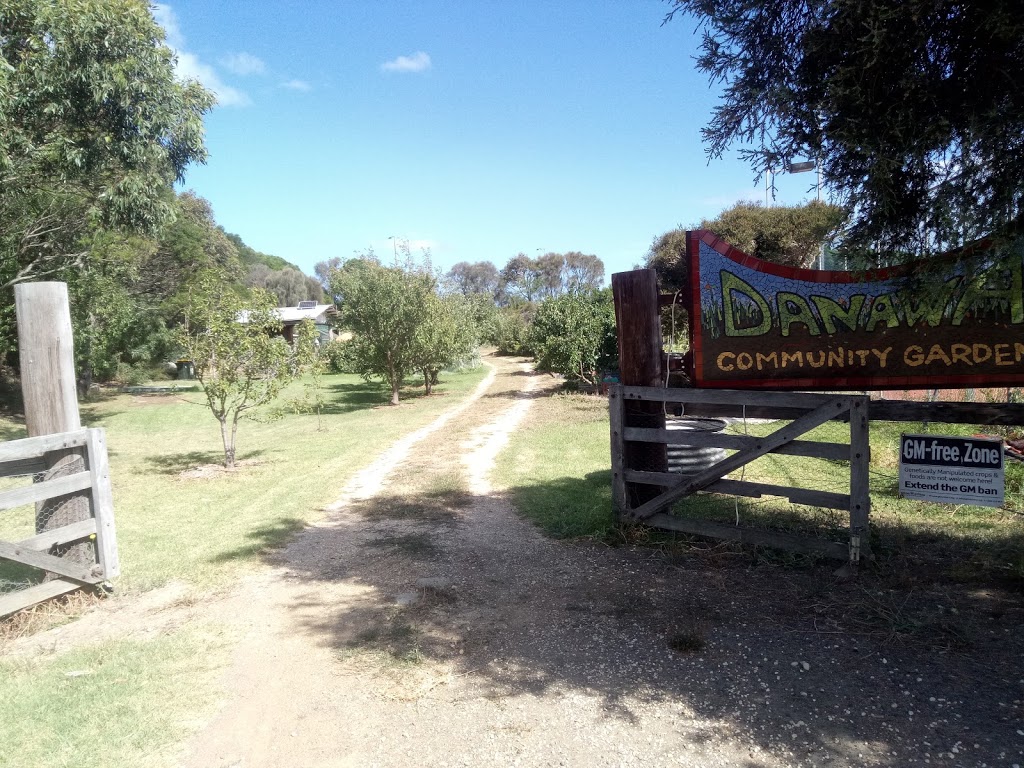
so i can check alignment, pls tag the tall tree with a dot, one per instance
(477, 277)
(385, 308)
(914, 108)
(94, 127)
(288, 285)
(550, 270)
(784, 234)
(520, 279)
(583, 272)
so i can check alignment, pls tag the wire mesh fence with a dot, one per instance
(48, 522)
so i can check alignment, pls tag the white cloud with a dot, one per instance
(418, 62)
(297, 85)
(243, 64)
(165, 18)
(190, 67)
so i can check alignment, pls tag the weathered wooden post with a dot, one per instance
(46, 351)
(640, 365)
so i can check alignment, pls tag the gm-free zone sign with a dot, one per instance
(953, 470)
(952, 321)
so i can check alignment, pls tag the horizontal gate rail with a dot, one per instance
(27, 457)
(808, 410)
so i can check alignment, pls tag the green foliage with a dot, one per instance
(384, 308)
(250, 257)
(308, 356)
(783, 234)
(339, 357)
(94, 128)
(914, 108)
(289, 285)
(239, 356)
(575, 335)
(526, 279)
(446, 338)
(667, 256)
(510, 331)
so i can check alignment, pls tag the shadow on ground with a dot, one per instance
(176, 463)
(782, 654)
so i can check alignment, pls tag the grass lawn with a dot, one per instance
(136, 699)
(177, 523)
(557, 471)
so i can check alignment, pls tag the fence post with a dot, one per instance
(46, 353)
(860, 479)
(617, 418)
(103, 504)
(638, 319)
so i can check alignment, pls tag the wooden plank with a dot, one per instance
(20, 467)
(34, 447)
(103, 504)
(37, 593)
(58, 486)
(807, 496)
(808, 448)
(785, 541)
(994, 414)
(616, 417)
(69, 533)
(860, 480)
(773, 413)
(62, 567)
(762, 446)
(635, 297)
(802, 400)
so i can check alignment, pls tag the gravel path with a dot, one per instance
(425, 624)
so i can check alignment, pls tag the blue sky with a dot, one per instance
(478, 129)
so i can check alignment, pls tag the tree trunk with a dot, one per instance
(394, 380)
(229, 443)
(427, 384)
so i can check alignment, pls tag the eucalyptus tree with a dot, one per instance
(94, 128)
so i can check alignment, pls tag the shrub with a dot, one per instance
(575, 335)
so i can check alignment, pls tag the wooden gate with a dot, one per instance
(27, 459)
(807, 411)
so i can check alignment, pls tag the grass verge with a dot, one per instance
(123, 703)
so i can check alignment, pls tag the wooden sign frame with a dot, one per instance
(760, 325)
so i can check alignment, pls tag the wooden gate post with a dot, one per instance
(640, 364)
(860, 479)
(46, 352)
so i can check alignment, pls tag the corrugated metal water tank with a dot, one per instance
(691, 459)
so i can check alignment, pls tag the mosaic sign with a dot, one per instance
(957, 321)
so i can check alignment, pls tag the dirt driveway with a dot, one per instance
(425, 624)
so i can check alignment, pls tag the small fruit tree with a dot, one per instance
(239, 355)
